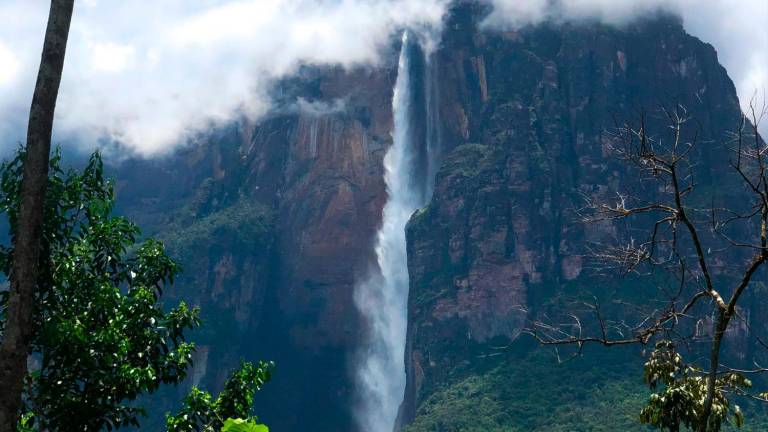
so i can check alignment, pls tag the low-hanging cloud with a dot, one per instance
(147, 75)
(737, 29)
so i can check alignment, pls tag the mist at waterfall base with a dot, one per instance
(382, 298)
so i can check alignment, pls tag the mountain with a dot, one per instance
(274, 221)
(525, 121)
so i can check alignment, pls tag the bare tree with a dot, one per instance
(692, 239)
(19, 327)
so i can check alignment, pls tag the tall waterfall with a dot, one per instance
(383, 297)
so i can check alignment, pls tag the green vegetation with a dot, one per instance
(247, 225)
(472, 160)
(240, 425)
(102, 337)
(530, 391)
(228, 412)
(682, 390)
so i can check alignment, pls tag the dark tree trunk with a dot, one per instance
(19, 327)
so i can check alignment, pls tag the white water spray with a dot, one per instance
(383, 297)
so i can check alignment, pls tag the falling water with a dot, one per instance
(382, 298)
(433, 131)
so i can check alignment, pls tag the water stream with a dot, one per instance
(383, 297)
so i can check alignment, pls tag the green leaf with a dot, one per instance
(240, 425)
(100, 323)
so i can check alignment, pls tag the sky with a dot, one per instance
(149, 74)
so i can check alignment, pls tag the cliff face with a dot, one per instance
(274, 221)
(524, 115)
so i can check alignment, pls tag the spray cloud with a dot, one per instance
(382, 298)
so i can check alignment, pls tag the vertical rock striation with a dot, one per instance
(524, 115)
(274, 221)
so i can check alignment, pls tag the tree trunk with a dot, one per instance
(721, 324)
(19, 325)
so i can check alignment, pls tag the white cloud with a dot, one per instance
(517, 13)
(319, 108)
(111, 57)
(739, 33)
(149, 74)
(737, 30)
(612, 11)
(9, 65)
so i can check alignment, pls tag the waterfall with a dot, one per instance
(432, 124)
(382, 298)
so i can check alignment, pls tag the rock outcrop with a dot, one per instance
(274, 221)
(525, 115)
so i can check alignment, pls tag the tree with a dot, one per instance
(230, 411)
(688, 236)
(19, 330)
(101, 338)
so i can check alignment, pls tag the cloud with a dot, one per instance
(319, 108)
(147, 76)
(9, 65)
(737, 30)
(111, 57)
(515, 14)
